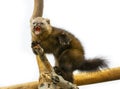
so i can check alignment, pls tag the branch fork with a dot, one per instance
(48, 78)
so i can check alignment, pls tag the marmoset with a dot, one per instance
(66, 48)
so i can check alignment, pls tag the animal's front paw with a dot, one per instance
(37, 49)
(57, 70)
(55, 79)
(33, 44)
(64, 40)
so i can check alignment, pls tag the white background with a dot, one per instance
(96, 23)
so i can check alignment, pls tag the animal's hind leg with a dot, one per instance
(64, 72)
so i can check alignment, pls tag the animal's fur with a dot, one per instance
(66, 48)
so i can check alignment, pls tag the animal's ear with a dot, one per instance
(48, 21)
(31, 19)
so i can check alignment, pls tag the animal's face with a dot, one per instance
(40, 25)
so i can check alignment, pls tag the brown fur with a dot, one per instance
(66, 48)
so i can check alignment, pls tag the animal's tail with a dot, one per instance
(92, 64)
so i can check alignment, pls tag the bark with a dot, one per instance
(97, 77)
(48, 78)
(38, 8)
(80, 79)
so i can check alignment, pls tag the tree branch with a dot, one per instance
(38, 8)
(48, 78)
(97, 77)
(80, 79)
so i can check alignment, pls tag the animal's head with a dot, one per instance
(40, 26)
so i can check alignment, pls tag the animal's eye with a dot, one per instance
(41, 23)
(34, 23)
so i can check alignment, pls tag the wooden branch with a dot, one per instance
(42, 59)
(38, 8)
(48, 78)
(80, 79)
(30, 85)
(97, 77)
(43, 64)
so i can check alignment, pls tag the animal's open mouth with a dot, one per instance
(37, 30)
